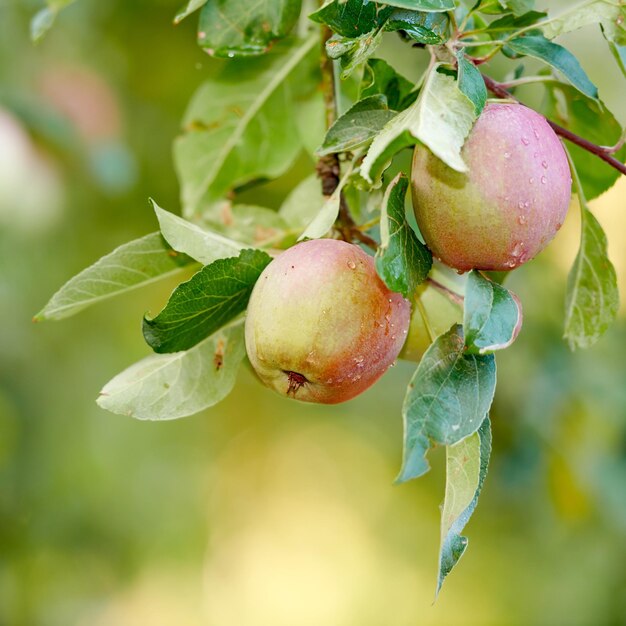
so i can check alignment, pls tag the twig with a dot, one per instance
(601, 152)
(328, 166)
(451, 295)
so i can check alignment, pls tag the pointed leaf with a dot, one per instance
(466, 468)
(558, 57)
(211, 298)
(592, 300)
(187, 9)
(441, 118)
(402, 261)
(201, 245)
(169, 386)
(447, 399)
(132, 265)
(492, 315)
(471, 83)
(357, 126)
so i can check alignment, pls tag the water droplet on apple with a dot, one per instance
(507, 155)
(525, 141)
(544, 164)
(521, 205)
(352, 265)
(518, 249)
(521, 219)
(531, 180)
(544, 180)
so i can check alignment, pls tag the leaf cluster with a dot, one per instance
(263, 110)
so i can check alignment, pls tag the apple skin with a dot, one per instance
(321, 324)
(510, 203)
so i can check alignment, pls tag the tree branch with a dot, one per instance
(328, 166)
(601, 152)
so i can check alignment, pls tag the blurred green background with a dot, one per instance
(262, 511)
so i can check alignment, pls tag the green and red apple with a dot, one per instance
(321, 324)
(510, 203)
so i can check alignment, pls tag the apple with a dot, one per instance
(510, 203)
(321, 324)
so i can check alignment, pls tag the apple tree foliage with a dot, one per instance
(293, 64)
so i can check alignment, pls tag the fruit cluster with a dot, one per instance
(323, 327)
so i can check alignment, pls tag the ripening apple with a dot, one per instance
(509, 204)
(321, 324)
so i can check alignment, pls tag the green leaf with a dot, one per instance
(422, 5)
(426, 28)
(447, 399)
(592, 300)
(610, 14)
(202, 305)
(592, 120)
(187, 9)
(466, 468)
(239, 127)
(558, 57)
(252, 225)
(44, 19)
(495, 7)
(402, 261)
(229, 28)
(353, 51)
(303, 203)
(132, 265)
(357, 126)
(519, 7)
(169, 386)
(619, 53)
(351, 18)
(329, 210)
(471, 83)
(380, 78)
(441, 118)
(492, 315)
(201, 245)
(510, 23)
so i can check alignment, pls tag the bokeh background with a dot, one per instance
(262, 511)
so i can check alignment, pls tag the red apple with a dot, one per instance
(510, 203)
(321, 324)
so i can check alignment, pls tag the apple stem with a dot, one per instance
(600, 151)
(451, 295)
